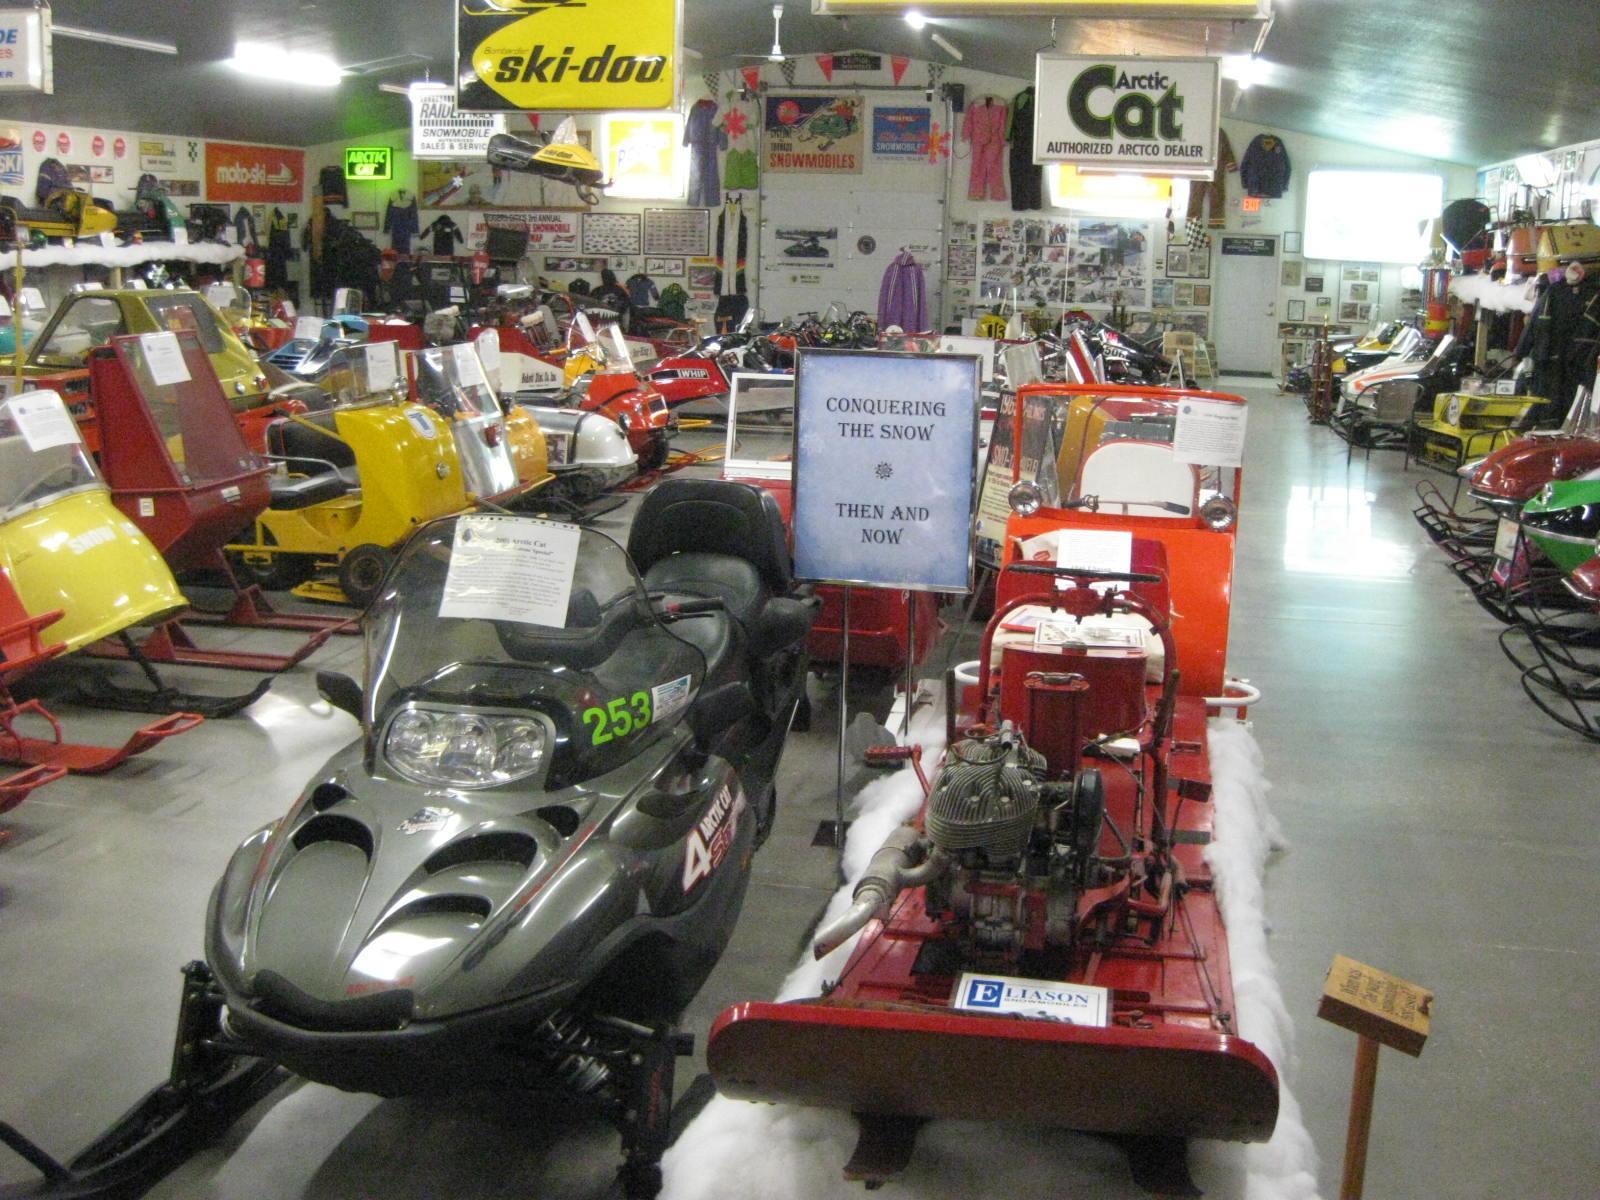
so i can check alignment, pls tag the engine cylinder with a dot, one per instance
(986, 798)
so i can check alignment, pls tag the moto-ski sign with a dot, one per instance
(568, 55)
(1145, 116)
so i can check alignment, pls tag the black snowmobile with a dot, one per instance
(531, 859)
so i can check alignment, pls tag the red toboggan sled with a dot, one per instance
(1057, 866)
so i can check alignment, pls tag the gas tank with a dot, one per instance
(1517, 471)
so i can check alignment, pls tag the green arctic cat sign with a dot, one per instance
(368, 163)
(1140, 115)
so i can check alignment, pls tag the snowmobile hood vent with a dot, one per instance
(986, 797)
(345, 830)
(505, 846)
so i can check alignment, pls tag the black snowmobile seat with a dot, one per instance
(327, 465)
(713, 517)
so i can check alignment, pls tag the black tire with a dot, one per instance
(280, 573)
(361, 573)
(654, 458)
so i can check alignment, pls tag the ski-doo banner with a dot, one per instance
(1138, 115)
(885, 454)
(26, 64)
(568, 56)
(814, 134)
(255, 174)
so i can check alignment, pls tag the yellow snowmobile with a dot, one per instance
(560, 158)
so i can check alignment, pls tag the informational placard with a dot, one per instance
(1377, 1005)
(597, 56)
(884, 468)
(1023, 365)
(308, 329)
(439, 131)
(488, 347)
(1041, 999)
(164, 358)
(1209, 433)
(42, 420)
(468, 369)
(383, 367)
(511, 569)
(1108, 550)
(1144, 116)
(981, 347)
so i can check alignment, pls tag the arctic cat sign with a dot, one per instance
(368, 162)
(1140, 115)
(567, 55)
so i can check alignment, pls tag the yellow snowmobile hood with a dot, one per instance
(569, 155)
(80, 555)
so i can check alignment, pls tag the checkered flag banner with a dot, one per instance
(935, 73)
(787, 67)
(1194, 234)
(713, 83)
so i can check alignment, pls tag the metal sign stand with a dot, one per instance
(844, 718)
(911, 655)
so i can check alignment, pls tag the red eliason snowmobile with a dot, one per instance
(1056, 869)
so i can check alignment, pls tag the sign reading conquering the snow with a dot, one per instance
(884, 468)
(1144, 116)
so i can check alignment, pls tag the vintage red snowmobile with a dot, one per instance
(1042, 943)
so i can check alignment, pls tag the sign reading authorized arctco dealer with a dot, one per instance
(1141, 115)
(568, 56)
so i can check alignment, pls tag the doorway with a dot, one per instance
(1247, 308)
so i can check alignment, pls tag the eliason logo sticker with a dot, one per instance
(569, 55)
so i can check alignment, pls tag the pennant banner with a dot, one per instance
(752, 77)
(825, 63)
(898, 64)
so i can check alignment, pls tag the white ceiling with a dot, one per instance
(1472, 81)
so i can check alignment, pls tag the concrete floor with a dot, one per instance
(1426, 801)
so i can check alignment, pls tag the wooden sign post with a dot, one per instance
(1383, 1010)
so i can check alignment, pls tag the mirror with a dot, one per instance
(340, 691)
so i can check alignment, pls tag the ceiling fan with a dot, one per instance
(776, 54)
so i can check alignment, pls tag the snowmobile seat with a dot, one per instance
(303, 491)
(329, 464)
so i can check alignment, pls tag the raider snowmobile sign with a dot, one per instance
(1140, 115)
(567, 55)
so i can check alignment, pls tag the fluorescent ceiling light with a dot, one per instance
(947, 47)
(285, 66)
(113, 39)
(1246, 70)
(915, 19)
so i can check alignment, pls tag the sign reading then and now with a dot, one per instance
(884, 468)
(1139, 115)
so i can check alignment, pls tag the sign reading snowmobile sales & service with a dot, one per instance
(1139, 115)
(567, 55)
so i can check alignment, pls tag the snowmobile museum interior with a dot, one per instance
(726, 600)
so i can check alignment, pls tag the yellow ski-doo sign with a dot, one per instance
(567, 55)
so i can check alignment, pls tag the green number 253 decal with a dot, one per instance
(619, 718)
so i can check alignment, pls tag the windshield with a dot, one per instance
(84, 323)
(604, 344)
(41, 456)
(364, 374)
(451, 381)
(520, 615)
(179, 388)
(178, 311)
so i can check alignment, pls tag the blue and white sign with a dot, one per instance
(1041, 999)
(901, 132)
(25, 50)
(884, 476)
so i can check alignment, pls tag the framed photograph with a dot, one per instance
(1324, 301)
(1183, 295)
(1291, 241)
(702, 279)
(1291, 273)
(1200, 262)
(1369, 274)
(1349, 272)
(1161, 293)
(1177, 261)
(611, 233)
(1349, 312)
(682, 231)
(1313, 283)
(1358, 292)
(1363, 312)
(669, 267)
(366, 221)
(1202, 295)
(1297, 310)
(570, 264)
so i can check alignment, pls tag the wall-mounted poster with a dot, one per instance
(901, 132)
(814, 134)
(702, 278)
(670, 268)
(1297, 310)
(1313, 283)
(961, 260)
(1177, 262)
(270, 174)
(680, 231)
(1291, 273)
(814, 247)
(611, 233)
(567, 264)
(1202, 295)
(639, 153)
(1161, 293)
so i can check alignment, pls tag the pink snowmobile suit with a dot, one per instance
(985, 127)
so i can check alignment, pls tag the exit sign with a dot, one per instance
(1251, 203)
(367, 163)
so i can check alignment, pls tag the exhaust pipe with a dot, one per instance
(903, 861)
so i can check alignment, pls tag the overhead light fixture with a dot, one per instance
(915, 19)
(285, 66)
(944, 44)
(1246, 70)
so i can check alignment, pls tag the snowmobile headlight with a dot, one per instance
(464, 749)
(1026, 497)
(1219, 513)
